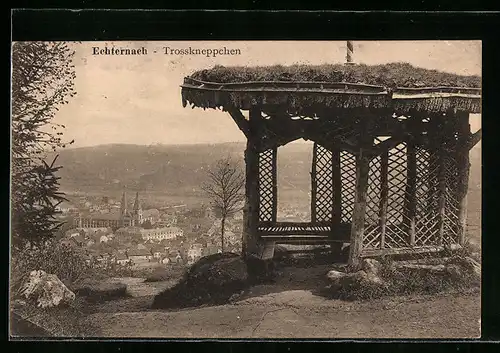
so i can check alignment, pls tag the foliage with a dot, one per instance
(101, 291)
(164, 274)
(455, 276)
(213, 279)
(390, 75)
(225, 190)
(67, 263)
(42, 81)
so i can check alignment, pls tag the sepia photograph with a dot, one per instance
(245, 190)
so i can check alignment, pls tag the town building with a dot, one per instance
(122, 218)
(122, 259)
(194, 253)
(139, 255)
(155, 234)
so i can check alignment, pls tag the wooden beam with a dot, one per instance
(384, 194)
(441, 156)
(386, 145)
(239, 119)
(313, 182)
(275, 184)
(462, 155)
(337, 186)
(411, 178)
(475, 138)
(358, 215)
(250, 239)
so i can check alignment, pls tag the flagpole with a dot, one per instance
(350, 53)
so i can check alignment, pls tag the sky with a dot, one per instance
(137, 100)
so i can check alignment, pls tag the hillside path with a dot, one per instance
(300, 314)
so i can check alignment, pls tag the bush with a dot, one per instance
(457, 274)
(67, 263)
(211, 280)
(102, 291)
(164, 274)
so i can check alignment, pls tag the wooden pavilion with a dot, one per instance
(391, 148)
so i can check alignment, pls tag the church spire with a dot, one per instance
(137, 203)
(123, 207)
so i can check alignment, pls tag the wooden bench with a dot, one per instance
(302, 233)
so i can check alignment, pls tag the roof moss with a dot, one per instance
(389, 75)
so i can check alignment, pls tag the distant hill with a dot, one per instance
(181, 169)
(175, 169)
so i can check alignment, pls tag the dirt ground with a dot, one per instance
(290, 309)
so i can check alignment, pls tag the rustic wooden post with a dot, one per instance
(384, 194)
(275, 184)
(463, 173)
(411, 178)
(358, 215)
(337, 186)
(314, 183)
(251, 210)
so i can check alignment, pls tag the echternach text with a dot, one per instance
(119, 51)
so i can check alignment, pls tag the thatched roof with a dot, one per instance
(398, 85)
(388, 75)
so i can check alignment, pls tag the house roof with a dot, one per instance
(139, 252)
(151, 212)
(112, 216)
(121, 257)
(302, 88)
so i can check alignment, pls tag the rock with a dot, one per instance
(46, 289)
(467, 266)
(471, 266)
(355, 279)
(334, 275)
(214, 279)
(371, 266)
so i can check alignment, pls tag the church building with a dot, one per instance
(125, 218)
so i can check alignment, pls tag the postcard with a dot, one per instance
(246, 189)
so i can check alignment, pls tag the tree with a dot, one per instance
(225, 190)
(42, 80)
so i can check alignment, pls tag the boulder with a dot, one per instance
(214, 279)
(45, 289)
(472, 267)
(335, 275)
(365, 283)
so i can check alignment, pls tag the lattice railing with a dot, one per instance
(396, 234)
(348, 189)
(324, 184)
(427, 193)
(267, 180)
(451, 226)
(372, 231)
